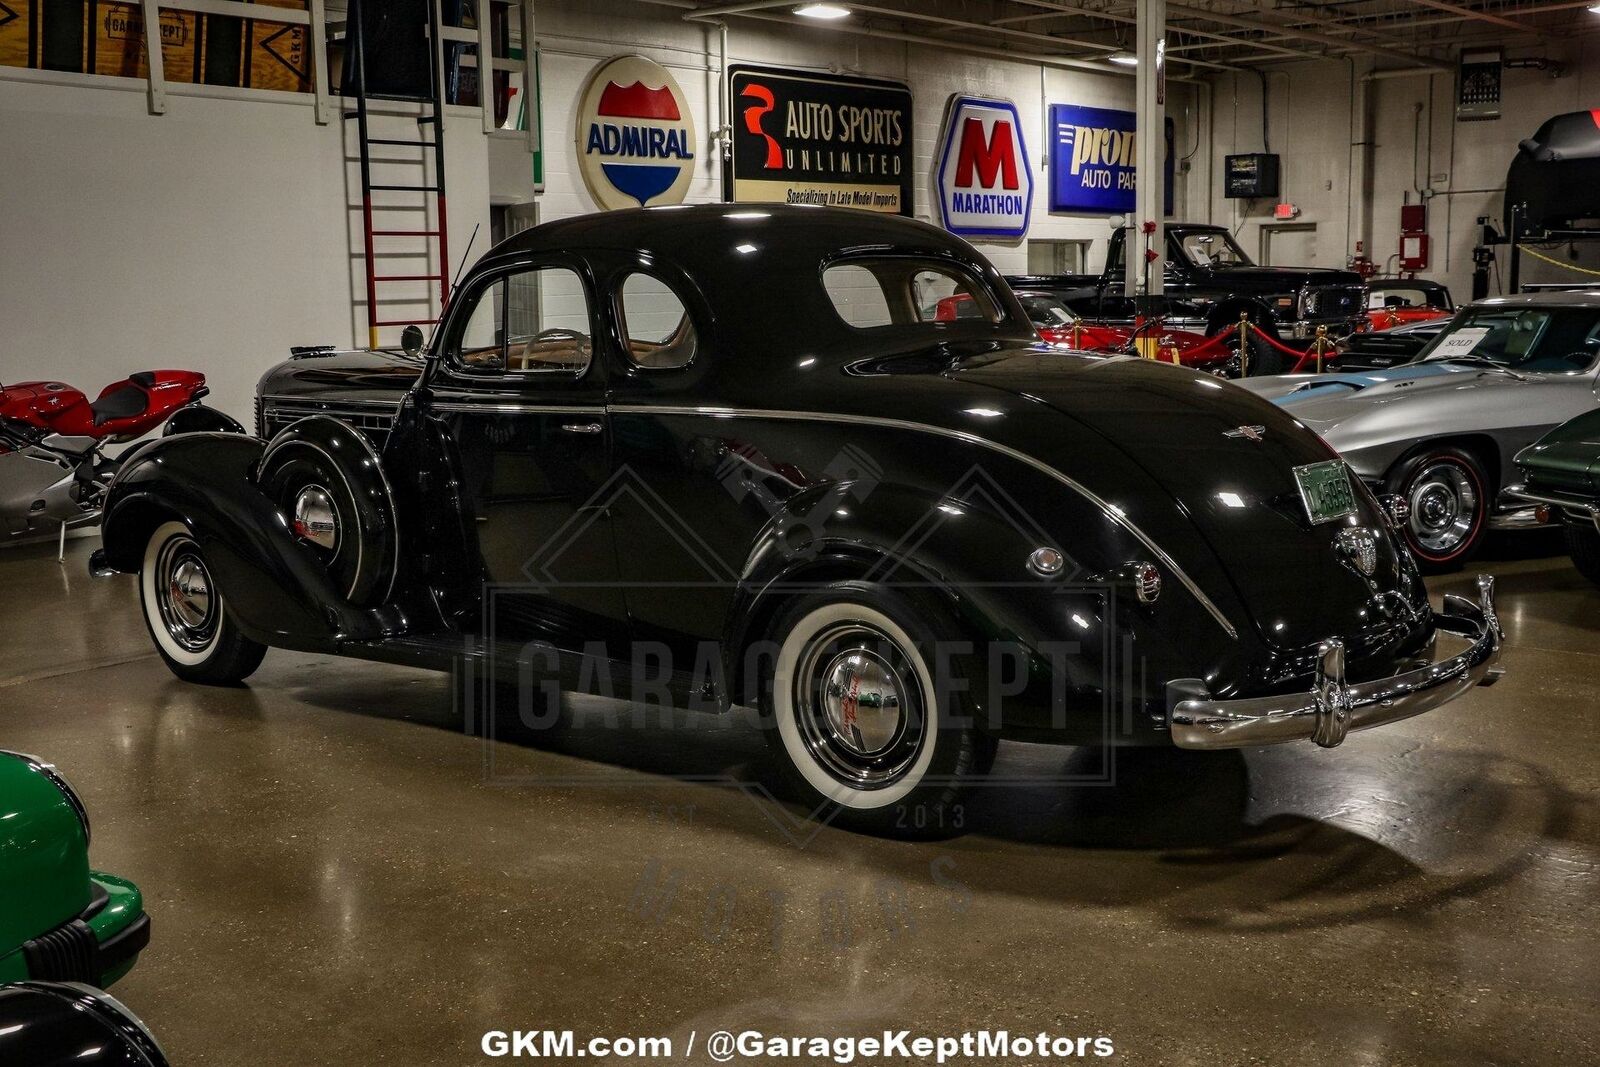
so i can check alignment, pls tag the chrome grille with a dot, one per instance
(1334, 301)
(374, 423)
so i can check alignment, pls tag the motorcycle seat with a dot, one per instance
(124, 403)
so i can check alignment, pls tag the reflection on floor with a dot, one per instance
(339, 874)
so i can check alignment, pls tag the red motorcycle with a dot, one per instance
(53, 467)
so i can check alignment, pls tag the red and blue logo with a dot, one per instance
(636, 137)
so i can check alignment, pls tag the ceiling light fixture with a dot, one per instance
(1124, 59)
(827, 12)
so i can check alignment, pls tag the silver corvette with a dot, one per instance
(1440, 431)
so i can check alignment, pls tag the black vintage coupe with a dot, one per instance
(736, 442)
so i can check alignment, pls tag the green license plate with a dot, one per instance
(1325, 490)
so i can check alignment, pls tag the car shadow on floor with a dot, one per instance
(1274, 839)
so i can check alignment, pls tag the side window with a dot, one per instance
(887, 291)
(857, 296)
(530, 320)
(660, 333)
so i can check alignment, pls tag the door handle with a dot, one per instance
(582, 427)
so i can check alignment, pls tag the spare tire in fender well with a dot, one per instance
(277, 590)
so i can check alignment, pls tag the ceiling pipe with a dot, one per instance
(1051, 8)
(1091, 49)
(1482, 16)
(695, 13)
(1309, 35)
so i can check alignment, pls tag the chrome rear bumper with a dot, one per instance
(1333, 707)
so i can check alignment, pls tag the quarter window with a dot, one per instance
(526, 321)
(660, 333)
(898, 291)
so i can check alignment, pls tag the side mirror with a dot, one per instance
(411, 340)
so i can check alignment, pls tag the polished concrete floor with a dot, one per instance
(339, 874)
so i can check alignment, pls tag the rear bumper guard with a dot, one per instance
(1333, 708)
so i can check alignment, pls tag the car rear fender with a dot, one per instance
(965, 556)
(274, 588)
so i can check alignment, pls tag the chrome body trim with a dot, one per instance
(1111, 512)
(1334, 708)
(502, 407)
(317, 402)
(1574, 505)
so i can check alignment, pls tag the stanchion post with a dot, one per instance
(1244, 344)
(1322, 343)
(1077, 332)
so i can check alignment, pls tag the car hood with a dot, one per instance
(1238, 494)
(44, 860)
(330, 373)
(1283, 279)
(1568, 457)
(1324, 400)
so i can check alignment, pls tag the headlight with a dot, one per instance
(61, 783)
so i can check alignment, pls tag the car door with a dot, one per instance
(520, 397)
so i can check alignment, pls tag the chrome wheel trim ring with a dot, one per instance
(186, 600)
(1444, 504)
(858, 705)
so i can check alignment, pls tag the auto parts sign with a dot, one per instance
(984, 182)
(1092, 160)
(635, 135)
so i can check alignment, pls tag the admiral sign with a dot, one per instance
(1092, 160)
(804, 138)
(635, 135)
(984, 183)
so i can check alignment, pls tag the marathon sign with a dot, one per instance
(984, 183)
(1092, 160)
(831, 140)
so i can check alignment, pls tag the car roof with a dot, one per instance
(1577, 298)
(710, 231)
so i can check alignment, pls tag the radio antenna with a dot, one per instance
(455, 282)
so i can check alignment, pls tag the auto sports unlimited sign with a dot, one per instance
(984, 183)
(804, 138)
(635, 135)
(1092, 160)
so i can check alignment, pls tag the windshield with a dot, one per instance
(1385, 295)
(1549, 340)
(1212, 248)
(1045, 312)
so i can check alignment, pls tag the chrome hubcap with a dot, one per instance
(861, 700)
(1444, 505)
(189, 609)
(859, 705)
(315, 519)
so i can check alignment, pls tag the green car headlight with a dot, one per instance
(60, 781)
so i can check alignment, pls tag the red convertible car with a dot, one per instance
(1059, 326)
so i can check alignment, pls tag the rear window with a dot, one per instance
(905, 291)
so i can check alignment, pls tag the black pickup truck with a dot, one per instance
(1210, 281)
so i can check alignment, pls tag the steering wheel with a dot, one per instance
(558, 333)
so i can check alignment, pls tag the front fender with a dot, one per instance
(275, 589)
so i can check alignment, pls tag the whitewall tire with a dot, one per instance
(857, 719)
(185, 613)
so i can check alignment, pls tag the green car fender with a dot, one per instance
(46, 883)
(1568, 456)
